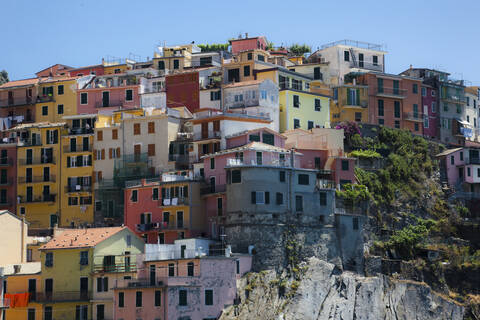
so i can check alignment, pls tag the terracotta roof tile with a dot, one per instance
(20, 83)
(81, 238)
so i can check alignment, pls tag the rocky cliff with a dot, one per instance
(319, 290)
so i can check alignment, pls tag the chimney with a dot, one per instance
(411, 67)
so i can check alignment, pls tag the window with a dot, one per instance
(254, 137)
(102, 284)
(380, 85)
(397, 124)
(73, 201)
(31, 313)
(355, 223)
(158, 298)
(208, 297)
(282, 176)
(434, 107)
(176, 64)
(128, 95)
(323, 198)
(260, 58)
(258, 197)
(461, 155)
(171, 270)
(138, 298)
(249, 56)
(151, 127)
(318, 106)
(99, 135)
(161, 65)
(155, 194)
(259, 158)
(236, 176)
(375, 60)
(60, 109)
(121, 299)
(299, 203)
(396, 109)
(84, 98)
(268, 138)
(478, 172)
(45, 111)
(60, 89)
(345, 165)
(151, 150)
(279, 198)
(48, 313)
(303, 179)
(416, 127)
(136, 128)
(246, 71)
(310, 124)
(358, 116)
(381, 122)
(433, 93)
(83, 258)
(459, 109)
(49, 259)
(380, 108)
(134, 197)
(424, 92)
(468, 118)
(445, 106)
(190, 269)
(212, 163)
(317, 75)
(296, 101)
(415, 88)
(296, 123)
(215, 95)
(452, 160)
(182, 297)
(346, 56)
(468, 172)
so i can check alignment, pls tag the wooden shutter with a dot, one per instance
(100, 177)
(114, 134)
(151, 150)
(151, 127)
(100, 135)
(118, 152)
(136, 128)
(110, 153)
(94, 154)
(103, 154)
(136, 149)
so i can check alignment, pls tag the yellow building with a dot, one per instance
(115, 68)
(57, 98)
(240, 68)
(38, 173)
(76, 181)
(21, 279)
(301, 109)
(351, 104)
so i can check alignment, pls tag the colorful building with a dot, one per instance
(17, 102)
(13, 238)
(57, 98)
(430, 111)
(350, 104)
(183, 89)
(8, 174)
(245, 44)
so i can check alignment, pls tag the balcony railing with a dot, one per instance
(473, 161)
(6, 162)
(414, 116)
(37, 160)
(156, 282)
(4, 303)
(391, 92)
(77, 131)
(77, 148)
(237, 162)
(207, 135)
(43, 99)
(172, 202)
(78, 188)
(36, 179)
(366, 65)
(184, 136)
(181, 158)
(174, 253)
(213, 189)
(62, 296)
(111, 103)
(454, 98)
(118, 267)
(143, 227)
(37, 199)
(16, 101)
(348, 103)
(29, 143)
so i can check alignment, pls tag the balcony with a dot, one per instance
(16, 102)
(6, 162)
(77, 148)
(44, 99)
(207, 135)
(79, 131)
(38, 199)
(61, 296)
(37, 160)
(180, 158)
(237, 162)
(36, 179)
(115, 268)
(111, 103)
(473, 161)
(454, 98)
(213, 189)
(156, 226)
(173, 202)
(78, 188)
(29, 143)
(184, 136)
(347, 103)
(366, 65)
(391, 92)
(413, 116)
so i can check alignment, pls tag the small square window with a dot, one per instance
(84, 98)
(60, 89)
(345, 165)
(45, 111)
(282, 176)
(60, 109)
(303, 179)
(208, 297)
(129, 95)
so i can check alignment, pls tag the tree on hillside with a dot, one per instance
(299, 50)
(3, 77)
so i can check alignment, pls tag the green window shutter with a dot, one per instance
(358, 97)
(349, 97)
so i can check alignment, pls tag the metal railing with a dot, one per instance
(152, 226)
(16, 101)
(44, 198)
(354, 43)
(29, 143)
(207, 135)
(77, 148)
(172, 202)
(61, 296)
(35, 179)
(414, 116)
(37, 160)
(6, 161)
(454, 98)
(111, 103)
(213, 189)
(42, 99)
(78, 188)
(396, 92)
(117, 267)
(366, 65)
(362, 103)
(237, 162)
(77, 131)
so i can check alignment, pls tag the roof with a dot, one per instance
(254, 145)
(449, 151)
(255, 130)
(13, 215)
(472, 90)
(81, 238)
(57, 64)
(57, 79)
(38, 125)
(243, 83)
(20, 83)
(86, 67)
(250, 38)
(25, 269)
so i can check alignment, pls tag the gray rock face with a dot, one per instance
(326, 293)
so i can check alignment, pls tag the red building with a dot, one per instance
(55, 70)
(8, 176)
(244, 44)
(85, 71)
(183, 90)
(17, 102)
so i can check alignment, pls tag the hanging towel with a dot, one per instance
(10, 297)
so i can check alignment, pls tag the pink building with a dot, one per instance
(109, 93)
(173, 282)
(244, 44)
(430, 111)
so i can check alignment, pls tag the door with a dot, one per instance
(84, 288)
(152, 275)
(29, 156)
(46, 193)
(3, 176)
(136, 152)
(460, 174)
(396, 86)
(108, 263)
(73, 144)
(212, 184)
(29, 194)
(204, 130)
(179, 219)
(127, 261)
(100, 311)
(105, 99)
(85, 143)
(415, 111)
(28, 175)
(4, 158)
(360, 60)
(46, 174)
(32, 289)
(53, 220)
(48, 289)
(182, 251)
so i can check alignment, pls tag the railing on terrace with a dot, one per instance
(62, 296)
(170, 254)
(207, 135)
(237, 162)
(44, 198)
(354, 43)
(78, 188)
(213, 189)
(111, 103)
(6, 161)
(35, 179)
(17, 101)
(156, 282)
(77, 131)
(37, 160)
(397, 92)
(42, 99)
(414, 116)
(118, 267)
(77, 148)
(454, 98)
(366, 65)
(173, 202)
(153, 226)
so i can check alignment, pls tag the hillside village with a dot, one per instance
(214, 181)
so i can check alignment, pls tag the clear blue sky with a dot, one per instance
(442, 34)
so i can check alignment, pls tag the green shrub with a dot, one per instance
(365, 154)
